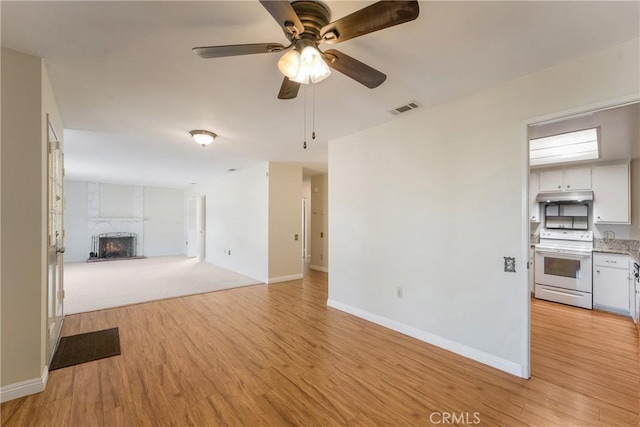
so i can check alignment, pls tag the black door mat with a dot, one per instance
(82, 348)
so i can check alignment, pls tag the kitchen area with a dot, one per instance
(584, 211)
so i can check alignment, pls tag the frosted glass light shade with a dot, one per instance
(305, 67)
(289, 64)
(203, 137)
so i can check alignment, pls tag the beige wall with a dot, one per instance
(26, 94)
(285, 221)
(434, 201)
(319, 222)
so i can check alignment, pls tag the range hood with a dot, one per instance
(565, 196)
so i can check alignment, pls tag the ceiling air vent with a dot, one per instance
(405, 108)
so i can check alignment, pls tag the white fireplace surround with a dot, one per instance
(97, 224)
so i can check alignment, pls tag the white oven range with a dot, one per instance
(563, 267)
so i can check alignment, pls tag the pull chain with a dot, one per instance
(304, 144)
(313, 112)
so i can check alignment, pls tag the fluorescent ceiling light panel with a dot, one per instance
(566, 147)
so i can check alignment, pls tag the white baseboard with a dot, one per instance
(318, 268)
(447, 344)
(283, 278)
(24, 388)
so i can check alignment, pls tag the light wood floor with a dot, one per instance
(276, 355)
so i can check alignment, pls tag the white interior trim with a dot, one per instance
(283, 278)
(438, 341)
(25, 388)
(318, 268)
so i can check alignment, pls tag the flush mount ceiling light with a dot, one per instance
(203, 137)
(566, 147)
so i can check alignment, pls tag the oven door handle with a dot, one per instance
(557, 254)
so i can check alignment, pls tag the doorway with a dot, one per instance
(567, 345)
(196, 227)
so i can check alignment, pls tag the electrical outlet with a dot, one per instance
(295, 237)
(399, 292)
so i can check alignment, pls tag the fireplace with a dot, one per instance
(116, 245)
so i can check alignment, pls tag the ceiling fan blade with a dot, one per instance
(283, 13)
(289, 89)
(380, 15)
(350, 67)
(237, 49)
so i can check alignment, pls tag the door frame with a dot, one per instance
(55, 244)
(557, 116)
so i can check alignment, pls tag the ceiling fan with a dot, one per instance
(306, 23)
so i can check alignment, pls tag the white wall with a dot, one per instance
(155, 214)
(116, 201)
(75, 221)
(319, 236)
(237, 220)
(433, 202)
(164, 221)
(285, 222)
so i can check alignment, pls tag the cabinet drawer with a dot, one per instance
(611, 260)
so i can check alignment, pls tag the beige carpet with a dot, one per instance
(100, 285)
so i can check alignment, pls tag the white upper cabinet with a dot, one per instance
(565, 180)
(611, 194)
(534, 206)
(551, 181)
(577, 179)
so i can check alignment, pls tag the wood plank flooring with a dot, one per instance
(276, 355)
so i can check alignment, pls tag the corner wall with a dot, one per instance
(285, 222)
(252, 217)
(319, 238)
(26, 98)
(433, 202)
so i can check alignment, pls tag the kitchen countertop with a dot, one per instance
(618, 246)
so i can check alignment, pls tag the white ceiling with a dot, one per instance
(129, 88)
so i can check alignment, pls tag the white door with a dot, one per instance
(55, 240)
(192, 227)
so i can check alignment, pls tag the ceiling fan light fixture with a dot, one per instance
(203, 137)
(304, 67)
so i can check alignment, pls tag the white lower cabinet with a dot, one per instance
(611, 282)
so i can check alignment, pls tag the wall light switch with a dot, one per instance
(509, 264)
